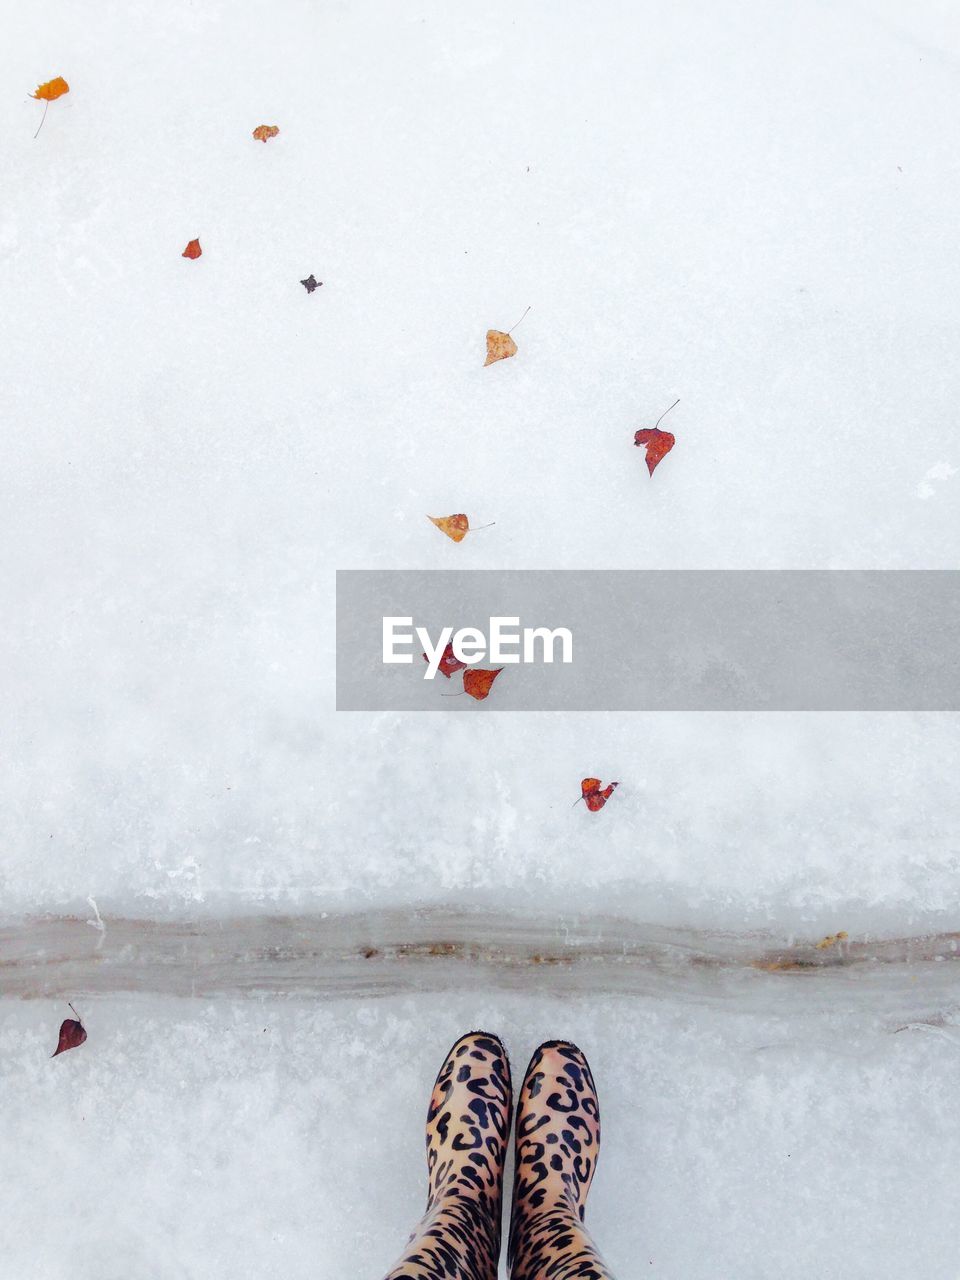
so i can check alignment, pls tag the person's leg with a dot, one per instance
(558, 1140)
(468, 1125)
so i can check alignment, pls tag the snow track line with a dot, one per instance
(394, 951)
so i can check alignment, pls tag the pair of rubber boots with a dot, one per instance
(468, 1129)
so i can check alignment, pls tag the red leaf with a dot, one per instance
(659, 443)
(594, 797)
(449, 662)
(72, 1035)
(478, 683)
(192, 250)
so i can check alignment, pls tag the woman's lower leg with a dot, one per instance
(558, 1140)
(468, 1125)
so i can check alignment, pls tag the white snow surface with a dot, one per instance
(748, 204)
(236, 1140)
(751, 206)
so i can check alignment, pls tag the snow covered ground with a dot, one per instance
(190, 1140)
(749, 205)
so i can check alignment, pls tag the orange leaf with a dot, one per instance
(264, 131)
(591, 793)
(478, 683)
(500, 346)
(192, 250)
(455, 527)
(53, 89)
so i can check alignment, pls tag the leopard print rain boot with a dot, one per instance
(558, 1140)
(468, 1126)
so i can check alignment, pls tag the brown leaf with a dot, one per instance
(192, 250)
(52, 90)
(500, 346)
(455, 527)
(479, 683)
(264, 131)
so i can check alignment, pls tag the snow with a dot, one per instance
(287, 1140)
(750, 206)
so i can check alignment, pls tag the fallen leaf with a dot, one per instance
(72, 1034)
(594, 797)
(478, 683)
(192, 250)
(659, 443)
(449, 662)
(500, 346)
(455, 527)
(52, 90)
(311, 283)
(47, 93)
(264, 131)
